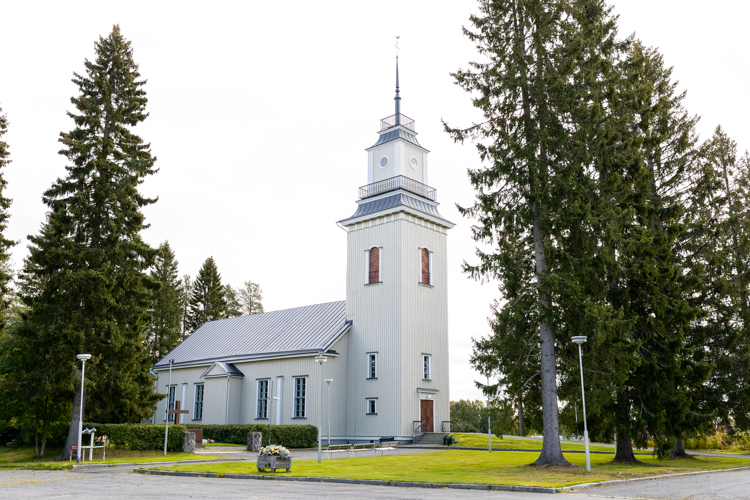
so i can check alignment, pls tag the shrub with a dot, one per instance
(291, 436)
(140, 436)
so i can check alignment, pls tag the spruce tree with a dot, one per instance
(166, 323)
(5, 243)
(534, 189)
(207, 301)
(91, 293)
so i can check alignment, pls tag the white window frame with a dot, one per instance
(198, 401)
(299, 411)
(371, 403)
(261, 403)
(426, 366)
(429, 264)
(372, 367)
(380, 265)
(171, 397)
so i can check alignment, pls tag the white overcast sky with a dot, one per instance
(261, 111)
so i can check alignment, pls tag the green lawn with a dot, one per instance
(211, 445)
(475, 467)
(24, 456)
(480, 441)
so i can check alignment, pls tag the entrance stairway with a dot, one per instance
(430, 438)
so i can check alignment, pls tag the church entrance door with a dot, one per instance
(427, 413)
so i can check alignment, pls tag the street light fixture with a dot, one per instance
(320, 359)
(580, 339)
(328, 381)
(82, 358)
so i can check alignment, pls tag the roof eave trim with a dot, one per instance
(401, 208)
(346, 328)
(247, 358)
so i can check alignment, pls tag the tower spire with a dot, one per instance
(397, 98)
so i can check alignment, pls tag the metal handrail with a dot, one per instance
(415, 430)
(449, 422)
(391, 121)
(398, 182)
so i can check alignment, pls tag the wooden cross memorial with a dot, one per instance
(177, 411)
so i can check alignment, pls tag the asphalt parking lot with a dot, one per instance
(120, 483)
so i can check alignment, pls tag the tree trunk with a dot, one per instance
(551, 450)
(73, 430)
(44, 437)
(623, 445)
(521, 430)
(679, 450)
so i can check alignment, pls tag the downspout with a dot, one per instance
(226, 413)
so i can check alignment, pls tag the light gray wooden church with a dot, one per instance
(386, 345)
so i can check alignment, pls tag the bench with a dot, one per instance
(362, 447)
(337, 448)
(388, 446)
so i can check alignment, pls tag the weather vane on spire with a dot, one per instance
(397, 98)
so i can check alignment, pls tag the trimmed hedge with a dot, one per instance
(291, 436)
(140, 436)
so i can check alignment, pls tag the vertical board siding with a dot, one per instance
(376, 314)
(180, 376)
(425, 321)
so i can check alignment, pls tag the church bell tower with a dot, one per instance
(396, 292)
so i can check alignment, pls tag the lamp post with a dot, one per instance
(580, 339)
(83, 358)
(166, 408)
(328, 381)
(320, 359)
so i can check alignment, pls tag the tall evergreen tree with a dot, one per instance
(5, 243)
(534, 189)
(207, 301)
(91, 293)
(166, 323)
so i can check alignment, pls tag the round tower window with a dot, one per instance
(383, 161)
(413, 163)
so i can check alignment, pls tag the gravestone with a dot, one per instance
(254, 440)
(188, 442)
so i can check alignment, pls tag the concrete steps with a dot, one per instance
(431, 438)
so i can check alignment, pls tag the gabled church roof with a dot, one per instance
(301, 330)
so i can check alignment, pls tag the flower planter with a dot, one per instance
(274, 462)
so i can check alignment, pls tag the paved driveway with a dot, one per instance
(27, 485)
(718, 485)
(103, 484)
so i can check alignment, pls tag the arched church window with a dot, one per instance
(374, 266)
(426, 267)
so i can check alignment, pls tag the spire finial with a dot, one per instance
(397, 98)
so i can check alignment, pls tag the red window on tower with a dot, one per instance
(374, 269)
(425, 266)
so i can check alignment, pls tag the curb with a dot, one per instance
(202, 460)
(662, 476)
(371, 482)
(437, 447)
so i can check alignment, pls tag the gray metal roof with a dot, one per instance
(300, 330)
(396, 200)
(395, 134)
